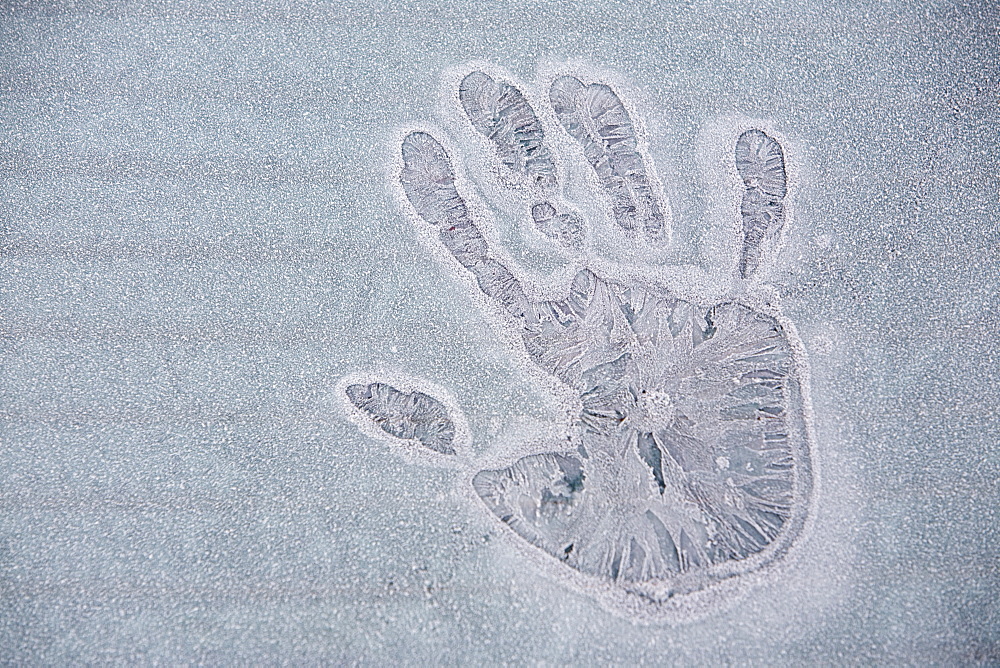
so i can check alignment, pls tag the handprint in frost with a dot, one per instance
(689, 462)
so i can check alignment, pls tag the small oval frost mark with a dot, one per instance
(406, 415)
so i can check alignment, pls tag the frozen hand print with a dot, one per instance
(688, 461)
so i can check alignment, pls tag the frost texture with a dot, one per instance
(689, 462)
(406, 415)
(596, 118)
(761, 164)
(429, 184)
(501, 113)
(687, 450)
(565, 228)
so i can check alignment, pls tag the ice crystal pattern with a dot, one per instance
(406, 415)
(597, 119)
(690, 462)
(761, 164)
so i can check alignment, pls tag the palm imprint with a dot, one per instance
(689, 461)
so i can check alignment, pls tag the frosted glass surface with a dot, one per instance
(204, 241)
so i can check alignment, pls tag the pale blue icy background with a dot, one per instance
(197, 242)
